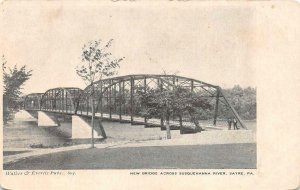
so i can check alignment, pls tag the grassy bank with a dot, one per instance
(227, 156)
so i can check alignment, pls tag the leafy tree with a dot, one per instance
(243, 101)
(166, 102)
(13, 79)
(96, 63)
(157, 103)
(196, 106)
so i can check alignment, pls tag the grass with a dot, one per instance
(228, 156)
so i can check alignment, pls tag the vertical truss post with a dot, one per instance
(78, 102)
(217, 106)
(80, 105)
(55, 99)
(44, 101)
(107, 98)
(125, 98)
(101, 99)
(75, 106)
(40, 103)
(47, 101)
(145, 91)
(160, 85)
(61, 100)
(120, 101)
(66, 100)
(131, 98)
(109, 104)
(180, 124)
(115, 99)
(192, 86)
(173, 82)
(58, 99)
(87, 104)
(72, 96)
(51, 99)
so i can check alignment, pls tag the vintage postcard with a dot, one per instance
(150, 94)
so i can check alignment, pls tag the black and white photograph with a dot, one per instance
(132, 86)
(168, 97)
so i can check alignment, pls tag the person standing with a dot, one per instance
(229, 123)
(235, 124)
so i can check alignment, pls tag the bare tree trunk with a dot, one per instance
(180, 123)
(168, 127)
(198, 127)
(93, 116)
(196, 122)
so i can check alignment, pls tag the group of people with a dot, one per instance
(234, 122)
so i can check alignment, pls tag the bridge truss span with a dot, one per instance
(118, 99)
(63, 100)
(33, 101)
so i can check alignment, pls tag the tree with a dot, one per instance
(243, 101)
(196, 106)
(96, 63)
(13, 79)
(157, 103)
(167, 102)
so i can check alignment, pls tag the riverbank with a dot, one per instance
(199, 139)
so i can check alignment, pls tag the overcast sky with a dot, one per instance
(209, 43)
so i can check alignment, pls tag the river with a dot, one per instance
(23, 132)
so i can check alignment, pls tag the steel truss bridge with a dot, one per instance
(117, 100)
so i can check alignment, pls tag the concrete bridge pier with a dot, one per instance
(81, 128)
(47, 120)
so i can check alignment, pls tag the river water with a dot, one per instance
(23, 132)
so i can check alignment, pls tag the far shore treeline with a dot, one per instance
(243, 100)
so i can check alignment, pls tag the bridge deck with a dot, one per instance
(154, 122)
